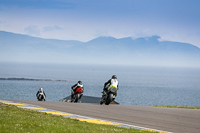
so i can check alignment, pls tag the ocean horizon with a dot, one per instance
(138, 85)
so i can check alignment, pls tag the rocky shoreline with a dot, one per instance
(32, 79)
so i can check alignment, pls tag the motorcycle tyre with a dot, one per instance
(109, 99)
(77, 96)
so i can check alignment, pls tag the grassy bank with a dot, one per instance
(18, 120)
(185, 107)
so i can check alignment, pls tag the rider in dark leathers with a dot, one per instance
(40, 91)
(111, 83)
(74, 87)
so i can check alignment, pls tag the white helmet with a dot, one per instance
(40, 89)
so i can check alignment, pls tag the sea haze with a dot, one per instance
(148, 51)
(137, 85)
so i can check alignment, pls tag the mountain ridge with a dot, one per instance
(101, 50)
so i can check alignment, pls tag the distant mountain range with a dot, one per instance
(101, 50)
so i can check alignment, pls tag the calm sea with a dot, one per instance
(137, 85)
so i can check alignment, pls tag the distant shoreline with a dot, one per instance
(185, 107)
(28, 79)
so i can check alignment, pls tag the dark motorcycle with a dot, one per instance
(78, 94)
(109, 96)
(41, 97)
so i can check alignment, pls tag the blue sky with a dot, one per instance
(172, 20)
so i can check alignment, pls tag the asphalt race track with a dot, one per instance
(166, 119)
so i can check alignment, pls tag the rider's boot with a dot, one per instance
(71, 97)
(103, 97)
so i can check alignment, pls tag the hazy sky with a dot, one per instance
(172, 20)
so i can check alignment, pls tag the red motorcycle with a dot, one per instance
(77, 95)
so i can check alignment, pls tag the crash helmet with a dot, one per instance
(79, 82)
(41, 89)
(114, 77)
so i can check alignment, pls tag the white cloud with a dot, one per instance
(32, 30)
(87, 20)
(52, 28)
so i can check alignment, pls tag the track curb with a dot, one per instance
(78, 117)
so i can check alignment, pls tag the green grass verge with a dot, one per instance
(18, 120)
(185, 107)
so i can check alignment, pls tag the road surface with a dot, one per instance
(167, 119)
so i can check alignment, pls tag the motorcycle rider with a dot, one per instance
(41, 92)
(111, 83)
(74, 87)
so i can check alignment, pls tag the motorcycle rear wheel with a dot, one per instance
(109, 99)
(77, 96)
